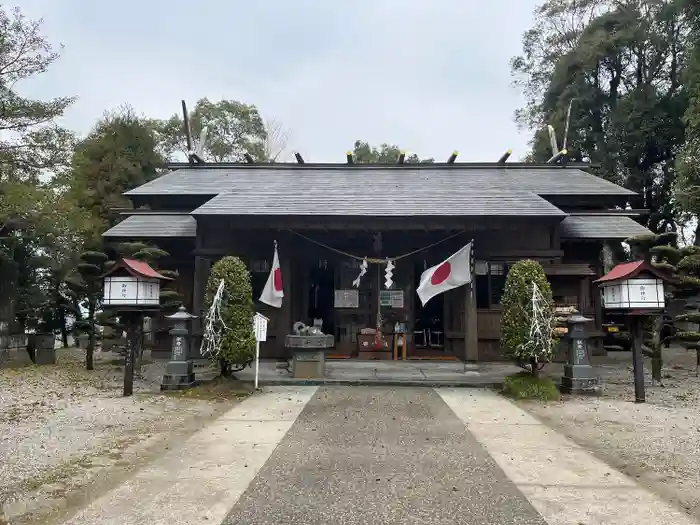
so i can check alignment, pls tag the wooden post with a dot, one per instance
(132, 337)
(471, 334)
(202, 266)
(635, 327)
(284, 319)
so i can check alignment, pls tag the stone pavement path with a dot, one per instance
(369, 455)
(373, 455)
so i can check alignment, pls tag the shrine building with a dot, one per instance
(326, 218)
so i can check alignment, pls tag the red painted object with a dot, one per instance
(136, 269)
(629, 270)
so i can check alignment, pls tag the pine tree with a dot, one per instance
(85, 287)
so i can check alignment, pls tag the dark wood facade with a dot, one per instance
(314, 257)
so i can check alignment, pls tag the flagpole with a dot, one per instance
(257, 361)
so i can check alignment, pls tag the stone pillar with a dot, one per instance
(179, 372)
(578, 373)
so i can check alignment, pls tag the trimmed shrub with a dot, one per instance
(516, 341)
(237, 339)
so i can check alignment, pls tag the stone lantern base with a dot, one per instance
(179, 375)
(579, 380)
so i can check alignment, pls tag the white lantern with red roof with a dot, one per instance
(635, 287)
(132, 284)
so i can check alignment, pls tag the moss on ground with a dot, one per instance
(525, 386)
(219, 389)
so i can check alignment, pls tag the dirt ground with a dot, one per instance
(657, 442)
(67, 435)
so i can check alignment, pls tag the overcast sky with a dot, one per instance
(430, 76)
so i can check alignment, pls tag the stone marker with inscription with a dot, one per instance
(578, 373)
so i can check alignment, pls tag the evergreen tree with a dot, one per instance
(237, 341)
(85, 287)
(519, 314)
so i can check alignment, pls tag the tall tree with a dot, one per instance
(31, 140)
(621, 64)
(687, 188)
(233, 129)
(276, 141)
(384, 154)
(119, 154)
(30, 143)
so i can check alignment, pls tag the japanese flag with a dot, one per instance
(449, 274)
(272, 294)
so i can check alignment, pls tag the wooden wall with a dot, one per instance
(513, 241)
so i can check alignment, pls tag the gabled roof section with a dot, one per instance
(137, 269)
(363, 179)
(400, 200)
(154, 226)
(601, 227)
(630, 270)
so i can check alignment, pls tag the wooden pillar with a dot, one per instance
(202, 266)
(471, 334)
(284, 319)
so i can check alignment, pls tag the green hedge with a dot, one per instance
(238, 340)
(517, 314)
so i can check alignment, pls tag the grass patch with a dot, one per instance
(219, 389)
(524, 386)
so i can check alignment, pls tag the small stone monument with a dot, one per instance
(578, 373)
(179, 372)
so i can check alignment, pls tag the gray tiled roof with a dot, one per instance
(351, 183)
(148, 225)
(398, 201)
(613, 227)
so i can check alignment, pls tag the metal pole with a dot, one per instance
(257, 361)
(637, 359)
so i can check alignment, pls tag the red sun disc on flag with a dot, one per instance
(277, 279)
(441, 273)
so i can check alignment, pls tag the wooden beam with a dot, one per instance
(342, 165)
(596, 213)
(503, 158)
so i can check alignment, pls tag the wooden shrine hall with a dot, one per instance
(326, 218)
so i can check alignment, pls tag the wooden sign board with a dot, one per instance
(347, 299)
(260, 327)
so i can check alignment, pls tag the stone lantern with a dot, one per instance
(578, 373)
(179, 372)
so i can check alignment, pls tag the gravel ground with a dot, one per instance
(63, 428)
(658, 442)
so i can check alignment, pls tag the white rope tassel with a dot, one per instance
(389, 274)
(363, 271)
(211, 339)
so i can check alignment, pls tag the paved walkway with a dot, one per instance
(373, 455)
